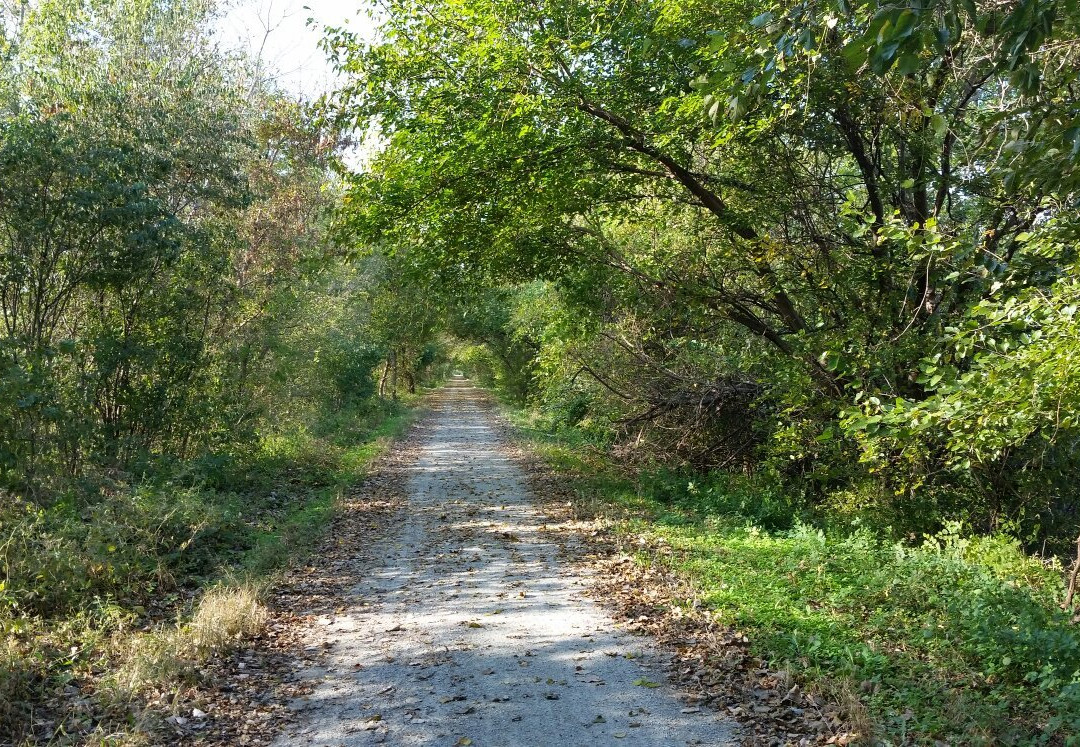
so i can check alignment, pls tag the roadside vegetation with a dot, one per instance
(795, 284)
(953, 637)
(798, 282)
(116, 598)
(191, 370)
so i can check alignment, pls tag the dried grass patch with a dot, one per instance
(225, 618)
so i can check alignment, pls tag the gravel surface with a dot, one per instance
(472, 631)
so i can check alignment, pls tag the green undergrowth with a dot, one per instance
(952, 638)
(122, 585)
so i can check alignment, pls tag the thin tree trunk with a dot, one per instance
(394, 373)
(384, 376)
(1072, 579)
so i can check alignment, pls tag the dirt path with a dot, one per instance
(472, 631)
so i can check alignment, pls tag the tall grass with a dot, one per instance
(126, 583)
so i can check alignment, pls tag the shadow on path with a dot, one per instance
(469, 628)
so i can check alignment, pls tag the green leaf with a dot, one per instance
(908, 63)
(762, 20)
(905, 25)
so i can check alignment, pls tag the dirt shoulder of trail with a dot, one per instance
(709, 660)
(246, 696)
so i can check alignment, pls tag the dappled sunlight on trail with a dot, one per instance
(470, 628)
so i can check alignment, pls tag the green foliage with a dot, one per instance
(186, 359)
(936, 631)
(796, 264)
(773, 237)
(164, 213)
(350, 364)
(955, 637)
(135, 554)
(477, 363)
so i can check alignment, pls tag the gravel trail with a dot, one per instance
(471, 631)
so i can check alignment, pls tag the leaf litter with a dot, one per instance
(712, 666)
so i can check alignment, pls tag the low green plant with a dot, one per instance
(134, 583)
(955, 636)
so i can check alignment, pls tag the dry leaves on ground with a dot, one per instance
(246, 697)
(711, 663)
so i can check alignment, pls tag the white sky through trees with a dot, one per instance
(278, 33)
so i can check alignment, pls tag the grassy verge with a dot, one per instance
(113, 593)
(342, 450)
(955, 638)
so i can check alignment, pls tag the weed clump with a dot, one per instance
(125, 585)
(224, 618)
(953, 636)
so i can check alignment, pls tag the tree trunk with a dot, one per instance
(393, 373)
(1072, 579)
(385, 375)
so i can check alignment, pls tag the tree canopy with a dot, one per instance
(854, 220)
